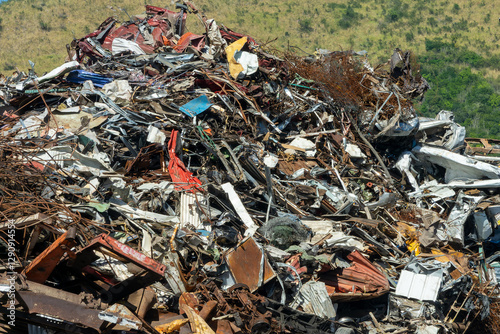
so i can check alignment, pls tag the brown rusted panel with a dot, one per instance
(244, 262)
(224, 327)
(290, 167)
(143, 300)
(43, 265)
(189, 299)
(327, 206)
(61, 308)
(208, 309)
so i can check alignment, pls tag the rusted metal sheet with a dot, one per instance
(208, 309)
(143, 300)
(78, 313)
(189, 299)
(224, 327)
(290, 167)
(42, 266)
(62, 306)
(248, 265)
(79, 310)
(360, 281)
(482, 146)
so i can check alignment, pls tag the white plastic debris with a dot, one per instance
(354, 151)
(155, 135)
(240, 209)
(119, 91)
(304, 144)
(120, 45)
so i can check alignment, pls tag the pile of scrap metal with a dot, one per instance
(162, 181)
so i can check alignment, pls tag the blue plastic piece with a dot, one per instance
(196, 106)
(80, 76)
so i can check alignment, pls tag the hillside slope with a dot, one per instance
(40, 29)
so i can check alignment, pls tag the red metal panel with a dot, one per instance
(127, 252)
(178, 171)
(42, 266)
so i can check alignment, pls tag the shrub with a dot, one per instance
(432, 21)
(44, 26)
(436, 44)
(461, 25)
(470, 57)
(305, 26)
(397, 11)
(332, 6)
(349, 17)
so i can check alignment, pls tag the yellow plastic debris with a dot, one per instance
(413, 245)
(171, 326)
(234, 67)
(411, 235)
(198, 325)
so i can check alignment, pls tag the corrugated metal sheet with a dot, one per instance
(313, 298)
(189, 214)
(361, 280)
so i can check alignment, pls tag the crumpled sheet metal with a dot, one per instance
(183, 178)
(442, 131)
(313, 298)
(458, 167)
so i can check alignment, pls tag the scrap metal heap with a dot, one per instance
(162, 181)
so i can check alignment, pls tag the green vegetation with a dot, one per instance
(457, 42)
(349, 18)
(458, 84)
(306, 26)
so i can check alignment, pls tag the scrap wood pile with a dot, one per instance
(162, 181)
